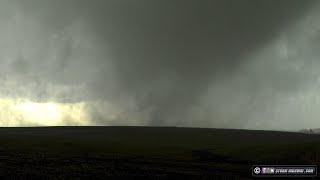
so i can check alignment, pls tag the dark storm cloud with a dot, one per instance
(157, 60)
(167, 53)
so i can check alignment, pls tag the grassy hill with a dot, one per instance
(153, 152)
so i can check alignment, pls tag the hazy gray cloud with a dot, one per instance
(226, 63)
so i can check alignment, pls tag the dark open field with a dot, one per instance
(156, 153)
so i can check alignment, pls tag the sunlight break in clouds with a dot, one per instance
(22, 112)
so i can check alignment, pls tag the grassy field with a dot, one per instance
(153, 152)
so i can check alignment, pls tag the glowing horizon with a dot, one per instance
(25, 112)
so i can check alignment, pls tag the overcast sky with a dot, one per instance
(197, 63)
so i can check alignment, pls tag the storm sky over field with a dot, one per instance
(221, 64)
